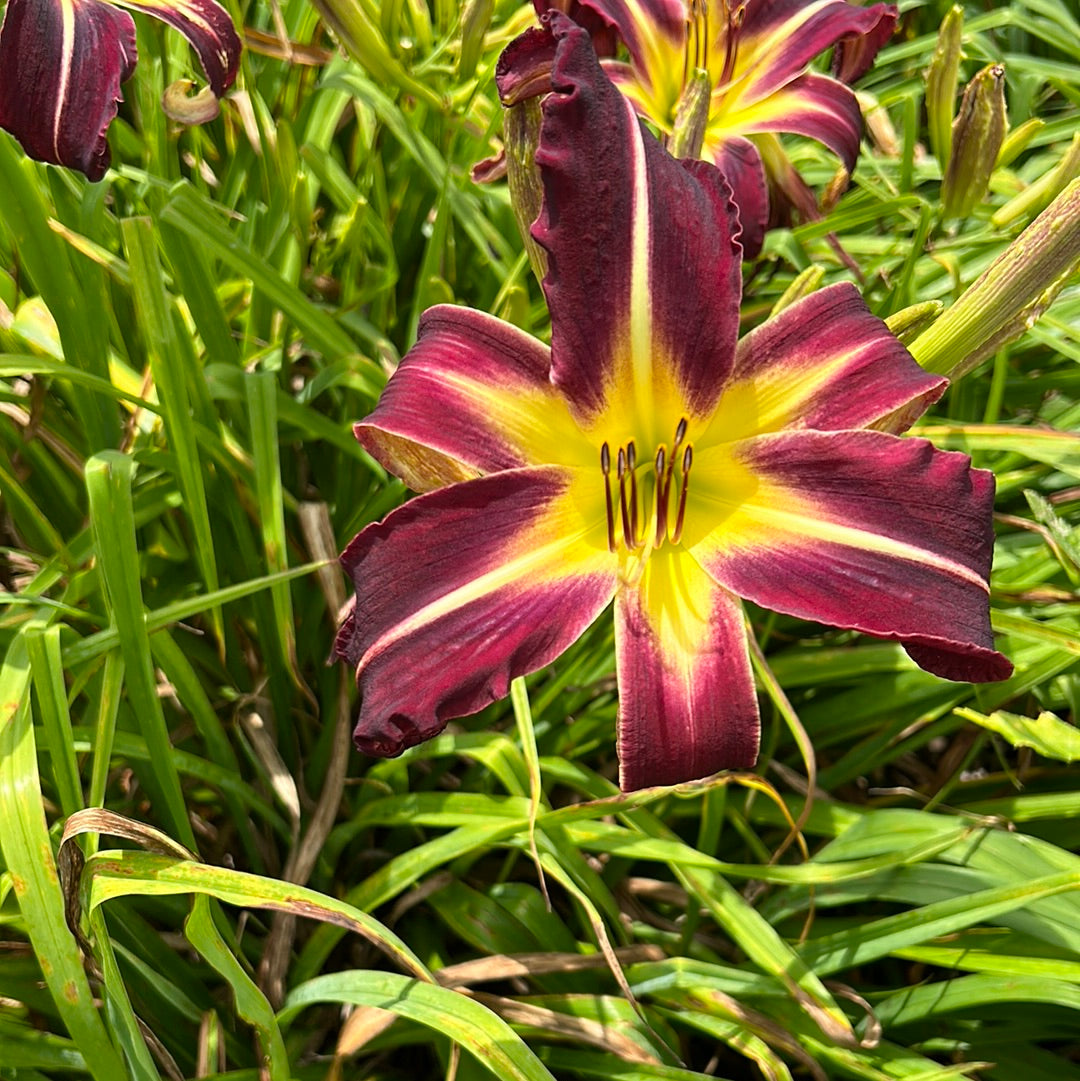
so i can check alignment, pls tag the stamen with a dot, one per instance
(680, 514)
(703, 34)
(697, 39)
(680, 434)
(734, 22)
(605, 467)
(661, 497)
(631, 465)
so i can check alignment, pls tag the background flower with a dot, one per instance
(62, 63)
(756, 56)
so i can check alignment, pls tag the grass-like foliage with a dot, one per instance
(200, 878)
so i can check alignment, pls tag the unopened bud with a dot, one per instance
(691, 117)
(1009, 295)
(908, 323)
(521, 135)
(977, 134)
(1038, 194)
(941, 80)
(1016, 141)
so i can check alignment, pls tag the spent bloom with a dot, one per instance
(62, 63)
(649, 458)
(755, 58)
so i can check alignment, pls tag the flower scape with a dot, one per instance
(650, 458)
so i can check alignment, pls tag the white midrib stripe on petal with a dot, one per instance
(67, 49)
(852, 537)
(641, 336)
(523, 570)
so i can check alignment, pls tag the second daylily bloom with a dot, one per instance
(756, 56)
(647, 457)
(62, 63)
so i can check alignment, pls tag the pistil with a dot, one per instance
(680, 514)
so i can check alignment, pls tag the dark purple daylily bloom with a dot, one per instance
(756, 55)
(62, 63)
(650, 458)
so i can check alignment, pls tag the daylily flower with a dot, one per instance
(756, 55)
(648, 458)
(62, 63)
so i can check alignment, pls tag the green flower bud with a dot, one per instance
(977, 134)
(941, 84)
(908, 323)
(521, 136)
(1036, 195)
(1009, 295)
(691, 117)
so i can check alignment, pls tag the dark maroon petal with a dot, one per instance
(461, 590)
(687, 703)
(854, 54)
(865, 530)
(738, 159)
(60, 81)
(816, 106)
(778, 38)
(524, 67)
(209, 28)
(590, 16)
(644, 265)
(825, 362)
(472, 396)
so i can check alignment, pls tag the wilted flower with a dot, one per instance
(756, 55)
(648, 458)
(62, 63)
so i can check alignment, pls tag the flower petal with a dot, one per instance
(778, 38)
(865, 530)
(653, 31)
(471, 397)
(524, 66)
(463, 589)
(644, 261)
(855, 53)
(738, 159)
(592, 17)
(687, 705)
(812, 105)
(209, 28)
(825, 362)
(63, 62)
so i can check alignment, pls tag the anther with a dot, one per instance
(680, 433)
(605, 467)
